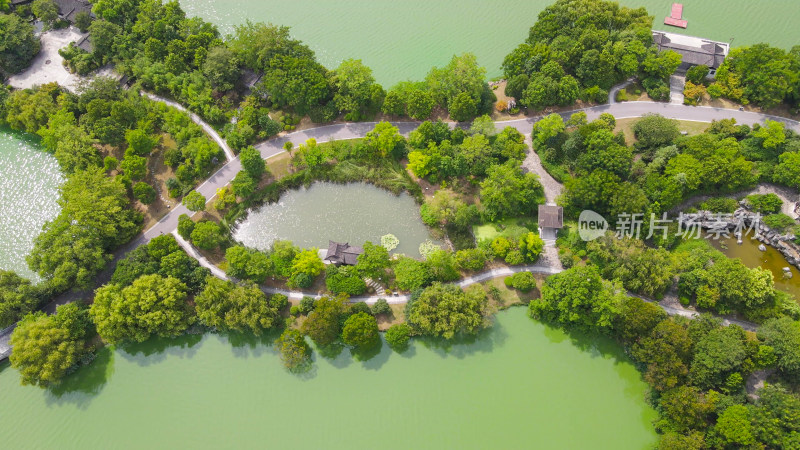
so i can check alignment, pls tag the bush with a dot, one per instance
(779, 222)
(294, 311)
(658, 90)
(110, 163)
(381, 307)
(697, 74)
(765, 203)
(720, 204)
(306, 305)
(514, 258)
(279, 301)
(207, 235)
(715, 91)
(185, 226)
(397, 336)
(472, 259)
(523, 281)
(144, 193)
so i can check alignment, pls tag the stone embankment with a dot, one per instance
(742, 223)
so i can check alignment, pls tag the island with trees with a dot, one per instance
(472, 175)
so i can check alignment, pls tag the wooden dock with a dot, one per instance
(675, 19)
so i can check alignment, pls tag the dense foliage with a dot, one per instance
(444, 310)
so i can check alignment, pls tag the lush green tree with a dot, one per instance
(397, 336)
(360, 331)
(734, 428)
(140, 142)
(295, 351)
(296, 83)
(194, 201)
(30, 109)
(442, 266)
(531, 246)
(419, 104)
(323, 324)
(381, 306)
(653, 131)
(385, 140)
(444, 310)
(17, 297)
(47, 347)
(207, 235)
(759, 74)
(507, 192)
(256, 44)
(152, 305)
(144, 192)
(104, 34)
(783, 335)
(578, 297)
(94, 219)
(717, 355)
(697, 74)
(18, 45)
(665, 354)
(788, 170)
(185, 226)
(641, 269)
(374, 261)
(685, 408)
(462, 75)
(411, 274)
(252, 162)
(46, 11)
(306, 266)
(637, 318)
(249, 264)
(223, 304)
(83, 20)
(472, 259)
(344, 280)
(243, 184)
(357, 94)
(463, 107)
(134, 167)
(221, 67)
(523, 281)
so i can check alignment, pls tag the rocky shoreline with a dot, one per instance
(744, 222)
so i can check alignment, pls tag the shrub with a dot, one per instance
(473, 259)
(697, 74)
(279, 301)
(306, 305)
(110, 163)
(381, 307)
(715, 91)
(765, 203)
(294, 311)
(501, 106)
(207, 235)
(720, 205)
(514, 258)
(144, 193)
(185, 226)
(779, 222)
(397, 336)
(523, 281)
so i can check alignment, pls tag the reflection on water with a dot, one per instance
(29, 180)
(771, 259)
(520, 384)
(354, 213)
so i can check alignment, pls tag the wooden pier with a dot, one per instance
(675, 19)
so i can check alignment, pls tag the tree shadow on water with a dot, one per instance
(465, 345)
(156, 349)
(82, 386)
(249, 345)
(372, 358)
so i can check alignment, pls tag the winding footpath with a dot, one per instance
(169, 223)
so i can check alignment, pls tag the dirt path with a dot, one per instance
(533, 164)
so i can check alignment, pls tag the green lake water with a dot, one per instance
(354, 213)
(403, 40)
(520, 385)
(29, 180)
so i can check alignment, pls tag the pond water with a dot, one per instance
(520, 385)
(29, 181)
(770, 259)
(354, 213)
(403, 40)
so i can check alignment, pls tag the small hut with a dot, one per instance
(339, 253)
(551, 219)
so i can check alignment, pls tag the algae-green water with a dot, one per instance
(403, 40)
(520, 385)
(29, 180)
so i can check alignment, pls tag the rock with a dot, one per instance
(787, 269)
(762, 248)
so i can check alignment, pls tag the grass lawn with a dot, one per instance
(494, 229)
(626, 126)
(505, 296)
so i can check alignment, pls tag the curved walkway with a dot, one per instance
(270, 148)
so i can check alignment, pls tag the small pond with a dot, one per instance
(354, 213)
(29, 181)
(770, 259)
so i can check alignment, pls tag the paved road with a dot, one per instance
(358, 130)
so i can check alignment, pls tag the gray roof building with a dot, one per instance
(694, 51)
(343, 253)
